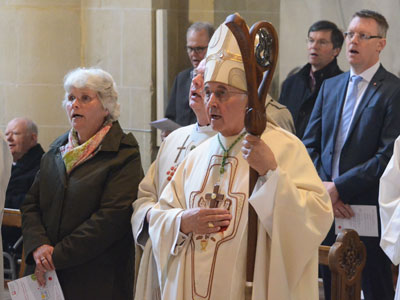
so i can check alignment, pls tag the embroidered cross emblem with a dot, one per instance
(215, 197)
(181, 148)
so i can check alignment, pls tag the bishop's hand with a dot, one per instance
(258, 155)
(204, 220)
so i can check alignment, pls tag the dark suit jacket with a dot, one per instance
(297, 96)
(178, 108)
(369, 143)
(22, 176)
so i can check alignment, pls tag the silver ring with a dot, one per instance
(42, 258)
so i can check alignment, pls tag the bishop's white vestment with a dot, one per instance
(172, 151)
(294, 211)
(5, 171)
(389, 206)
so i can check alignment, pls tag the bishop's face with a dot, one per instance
(226, 107)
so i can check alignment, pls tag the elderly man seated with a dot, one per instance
(21, 135)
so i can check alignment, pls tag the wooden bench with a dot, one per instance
(12, 218)
(346, 260)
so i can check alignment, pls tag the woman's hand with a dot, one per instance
(40, 277)
(204, 220)
(44, 262)
(258, 155)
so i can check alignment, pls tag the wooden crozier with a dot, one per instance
(259, 65)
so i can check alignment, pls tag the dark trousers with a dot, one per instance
(377, 283)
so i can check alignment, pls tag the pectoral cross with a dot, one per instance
(215, 198)
(181, 148)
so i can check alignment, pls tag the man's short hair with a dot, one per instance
(198, 26)
(336, 34)
(31, 126)
(383, 25)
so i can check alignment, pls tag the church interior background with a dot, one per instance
(41, 40)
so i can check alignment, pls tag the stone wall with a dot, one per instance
(41, 40)
(117, 35)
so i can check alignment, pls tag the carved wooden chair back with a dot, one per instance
(346, 260)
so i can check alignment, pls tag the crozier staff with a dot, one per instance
(76, 216)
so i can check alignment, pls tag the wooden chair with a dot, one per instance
(346, 260)
(12, 218)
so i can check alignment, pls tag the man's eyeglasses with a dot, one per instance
(222, 95)
(196, 50)
(361, 36)
(321, 43)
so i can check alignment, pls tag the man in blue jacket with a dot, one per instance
(350, 138)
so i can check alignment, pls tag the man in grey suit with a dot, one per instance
(350, 138)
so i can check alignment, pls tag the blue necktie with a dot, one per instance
(344, 125)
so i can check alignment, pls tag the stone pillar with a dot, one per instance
(117, 35)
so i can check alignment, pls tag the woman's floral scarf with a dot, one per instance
(74, 154)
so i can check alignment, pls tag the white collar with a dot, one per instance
(368, 73)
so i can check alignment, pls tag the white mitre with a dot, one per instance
(224, 62)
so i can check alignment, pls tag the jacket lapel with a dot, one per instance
(338, 105)
(372, 87)
(58, 161)
(60, 168)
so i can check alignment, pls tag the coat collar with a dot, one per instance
(111, 141)
(328, 71)
(30, 158)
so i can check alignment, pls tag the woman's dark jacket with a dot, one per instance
(86, 217)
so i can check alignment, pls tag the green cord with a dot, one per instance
(226, 152)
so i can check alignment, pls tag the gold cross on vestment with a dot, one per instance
(181, 148)
(215, 197)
